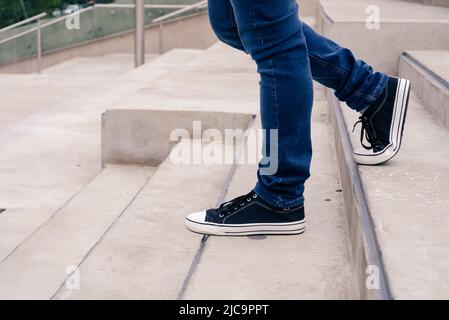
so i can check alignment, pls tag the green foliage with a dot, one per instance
(11, 11)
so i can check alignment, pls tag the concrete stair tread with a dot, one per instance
(438, 3)
(148, 253)
(172, 58)
(37, 267)
(364, 25)
(390, 10)
(314, 265)
(56, 120)
(436, 61)
(220, 58)
(108, 65)
(204, 83)
(307, 8)
(408, 199)
(428, 71)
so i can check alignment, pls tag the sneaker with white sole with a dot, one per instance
(247, 215)
(383, 124)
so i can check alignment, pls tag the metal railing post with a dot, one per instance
(139, 33)
(38, 47)
(161, 38)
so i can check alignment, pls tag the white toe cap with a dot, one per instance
(199, 217)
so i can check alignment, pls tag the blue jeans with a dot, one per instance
(289, 54)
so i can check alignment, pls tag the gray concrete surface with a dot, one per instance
(50, 135)
(439, 3)
(38, 267)
(153, 261)
(147, 254)
(137, 137)
(314, 265)
(408, 198)
(402, 26)
(429, 72)
(307, 8)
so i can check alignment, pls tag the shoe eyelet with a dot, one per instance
(249, 199)
(242, 204)
(254, 196)
(221, 215)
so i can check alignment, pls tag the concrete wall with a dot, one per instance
(382, 47)
(433, 93)
(187, 32)
(136, 137)
(307, 7)
(440, 3)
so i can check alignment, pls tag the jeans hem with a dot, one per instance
(276, 202)
(369, 99)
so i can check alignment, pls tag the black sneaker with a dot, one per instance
(247, 215)
(383, 124)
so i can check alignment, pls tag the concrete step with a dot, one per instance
(429, 72)
(57, 125)
(438, 3)
(110, 65)
(408, 199)
(169, 60)
(314, 265)
(40, 265)
(401, 26)
(307, 7)
(148, 253)
(205, 82)
(62, 147)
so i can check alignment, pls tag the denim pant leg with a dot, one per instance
(354, 81)
(222, 21)
(271, 33)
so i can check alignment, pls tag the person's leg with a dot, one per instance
(271, 32)
(354, 81)
(222, 21)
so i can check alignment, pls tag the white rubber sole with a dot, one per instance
(215, 229)
(366, 157)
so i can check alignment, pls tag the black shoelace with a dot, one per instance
(368, 133)
(234, 204)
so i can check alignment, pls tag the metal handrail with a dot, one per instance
(177, 12)
(158, 21)
(183, 9)
(147, 6)
(20, 23)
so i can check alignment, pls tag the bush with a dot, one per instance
(12, 11)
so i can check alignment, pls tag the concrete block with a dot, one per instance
(38, 268)
(402, 26)
(137, 136)
(429, 72)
